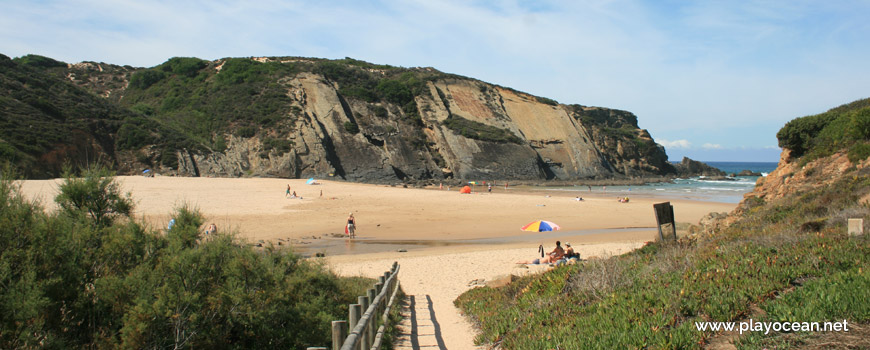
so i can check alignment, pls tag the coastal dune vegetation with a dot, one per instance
(784, 258)
(89, 275)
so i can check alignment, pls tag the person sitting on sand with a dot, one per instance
(351, 226)
(570, 255)
(211, 229)
(551, 257)
(293, 195)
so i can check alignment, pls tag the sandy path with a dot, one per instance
(441, 276)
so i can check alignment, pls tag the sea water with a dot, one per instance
(695, 188)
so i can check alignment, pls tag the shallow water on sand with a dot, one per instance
(361, 245)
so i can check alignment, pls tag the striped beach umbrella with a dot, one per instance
(541, 226)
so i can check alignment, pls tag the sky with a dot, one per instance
(711, 80)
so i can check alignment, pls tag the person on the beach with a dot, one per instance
(570, 256)
(551, 257)
(569, 251)
(351, 226)
(489, 188)
(288, 191)
(293, 195)
(211, 229)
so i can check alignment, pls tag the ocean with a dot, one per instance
(696, 188)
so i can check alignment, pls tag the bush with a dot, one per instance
(131, 136)
(94, 195)
(281, 146)
(246, 131)
(822, 134)
(480, 131)
(351, 127)
(143, 79)
(67, 284)
(184, 66)
(169, 158)
(39, 61)
(859, 152)
(547, 101)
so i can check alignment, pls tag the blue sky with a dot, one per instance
(713, 80)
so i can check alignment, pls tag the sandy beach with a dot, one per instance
(452, 241)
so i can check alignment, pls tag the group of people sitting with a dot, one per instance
(623, 199)
(558, 256)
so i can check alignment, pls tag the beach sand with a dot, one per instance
(451, 239)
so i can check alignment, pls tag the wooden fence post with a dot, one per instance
(355, 313)
(372, 320)
(339, 332)
(364, 303)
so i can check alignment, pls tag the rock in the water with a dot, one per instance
(688, 167)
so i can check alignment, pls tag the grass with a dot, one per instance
(651, 298)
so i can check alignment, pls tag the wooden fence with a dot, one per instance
(364, 331)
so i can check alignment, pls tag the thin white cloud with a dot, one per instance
(711, 146)
(678, 144)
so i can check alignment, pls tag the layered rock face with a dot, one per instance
(554, 142)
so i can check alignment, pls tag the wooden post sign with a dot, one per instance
(665, 215)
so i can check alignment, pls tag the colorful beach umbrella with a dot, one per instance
(310, 181)
(541, 226)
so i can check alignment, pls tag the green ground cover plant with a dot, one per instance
(89, 276)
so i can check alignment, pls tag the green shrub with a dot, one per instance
(547, 101)
(169, 158)
(93, 194)
(394, 91)
(246, 131)
(351, 127)
(145, 78)
(68, 284)
(823, 134)
(39, 61)
(184, 66)
(131, 136)
(479, 131)
(279, 145)
(142, 108)
(380, 112)
(859, 152)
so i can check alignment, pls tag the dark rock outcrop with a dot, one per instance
(688, 167)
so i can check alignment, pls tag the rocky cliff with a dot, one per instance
(298, 117)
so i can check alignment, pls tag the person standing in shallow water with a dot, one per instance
(351, 226)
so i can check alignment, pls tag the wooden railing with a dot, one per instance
(364, 332)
